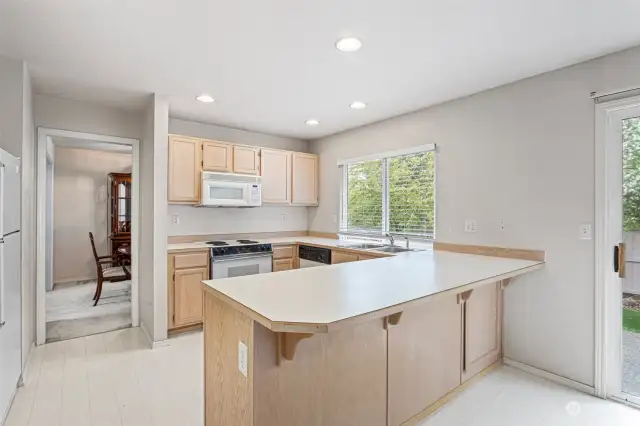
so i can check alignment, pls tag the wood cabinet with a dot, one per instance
(282, 264)
(342, 257)
(482, 329)
(186, 272)
(275, 169)
(217, 156)
(184, 170)
(285, 258)
(120, 192)
(304, 179)
(246, 159)
(423, 370)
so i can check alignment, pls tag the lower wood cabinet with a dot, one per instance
(342, 257)
(482, 330)
(187, 270)
(423, 370)
(282, 264)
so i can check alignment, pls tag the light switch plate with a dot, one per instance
(585, 231)
(243, 359)
(175, 219)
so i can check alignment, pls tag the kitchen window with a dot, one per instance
(389, 193)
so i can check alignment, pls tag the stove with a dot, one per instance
(242, 259)
(246, 242)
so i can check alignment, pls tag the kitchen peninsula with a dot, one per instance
(363, 343)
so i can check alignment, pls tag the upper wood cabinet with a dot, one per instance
(184, 170)
(217, 156)
(246, 159)
(275, 167)
(304, 180)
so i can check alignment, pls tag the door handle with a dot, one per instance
(618, 260)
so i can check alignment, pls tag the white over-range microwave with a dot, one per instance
(230, 190)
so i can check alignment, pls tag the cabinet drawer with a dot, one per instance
(284, 252)
(191, 260)
(282, 265)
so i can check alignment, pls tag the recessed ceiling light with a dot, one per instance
(348, 44)
(358, 105)
(312, 122)
(205, 98)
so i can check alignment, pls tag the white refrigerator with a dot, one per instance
(10, 282)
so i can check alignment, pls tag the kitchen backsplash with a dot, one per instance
(202, 220)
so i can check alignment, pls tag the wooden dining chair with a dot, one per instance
(108, 270)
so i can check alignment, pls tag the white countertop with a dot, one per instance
(318, 299)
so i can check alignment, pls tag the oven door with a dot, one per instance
(223, 193)
(238, 266)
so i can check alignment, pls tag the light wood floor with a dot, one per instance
(113, 379)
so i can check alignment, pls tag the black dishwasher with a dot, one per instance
(314, 256)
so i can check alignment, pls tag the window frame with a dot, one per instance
(384, 159)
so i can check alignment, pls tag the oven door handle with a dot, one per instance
(240, 257)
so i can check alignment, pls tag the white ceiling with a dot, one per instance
(271, 64)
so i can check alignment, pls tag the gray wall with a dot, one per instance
(199, 221)
(65, 114)
(522, 154)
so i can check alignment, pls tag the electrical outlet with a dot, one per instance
(175, 219)
(470, 226)
(243, 359)
(502, 226)
(334, 218)
(585, 231)
(283, 217)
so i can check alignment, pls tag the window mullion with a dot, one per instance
(385, 195)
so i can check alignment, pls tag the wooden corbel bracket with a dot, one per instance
(393, 319)
(504, 283)
(464, 296)
(287, 344)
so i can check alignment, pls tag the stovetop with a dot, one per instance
(231, 250)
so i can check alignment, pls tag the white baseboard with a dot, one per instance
(590, 390)
(5, 415)
(152, 344)
(25, 367)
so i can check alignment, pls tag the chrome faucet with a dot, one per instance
(406, 238)
(392, 240)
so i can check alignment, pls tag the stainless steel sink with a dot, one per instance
(362, 246)
(392, 249)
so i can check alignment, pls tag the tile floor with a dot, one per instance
(70, 310)
(114, 379)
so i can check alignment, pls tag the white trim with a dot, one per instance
(550, 376)
(153, 345)
(608, 327)
(45, 135)
(387, 154)
(630, 400)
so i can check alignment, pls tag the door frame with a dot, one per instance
(45, 136)
(608, 218)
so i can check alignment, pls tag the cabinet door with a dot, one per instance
(282, 265)
(187, 296)
(424, 356)
(275, 169)
(483, 329)
(342, 257)
(184, 170)
(304, 184)
(246, 159)
(217, 156)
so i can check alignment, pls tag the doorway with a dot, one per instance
(618, 250)
(87, 234)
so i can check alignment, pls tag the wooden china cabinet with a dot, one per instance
(119, 210)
